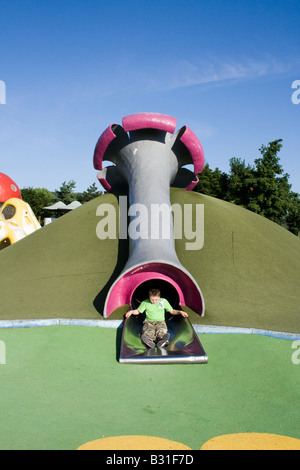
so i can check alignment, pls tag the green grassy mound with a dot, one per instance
(248, 269)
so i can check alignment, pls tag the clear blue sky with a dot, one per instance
(225, 68)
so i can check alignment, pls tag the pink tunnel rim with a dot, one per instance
(103, 142)
(149, 121)
(192, 143)
(122, 290)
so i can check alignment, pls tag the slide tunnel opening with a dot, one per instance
(132, 287)
(167, 291)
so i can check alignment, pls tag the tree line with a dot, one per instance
(262, 188)
(38, 198)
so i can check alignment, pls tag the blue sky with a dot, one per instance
(224, 68)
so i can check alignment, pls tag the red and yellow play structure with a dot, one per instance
(17, 219)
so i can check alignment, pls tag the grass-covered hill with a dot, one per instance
(248, 269)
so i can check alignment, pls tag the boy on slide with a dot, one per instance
(154, 326)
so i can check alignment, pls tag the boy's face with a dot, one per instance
(154, 299)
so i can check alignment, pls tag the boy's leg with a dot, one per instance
(148, 334)
(162, 334)
(161, 329)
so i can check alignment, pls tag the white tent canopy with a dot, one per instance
(61, 206)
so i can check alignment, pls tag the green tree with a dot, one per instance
(262, 188)
(293, 214)
(240, 183)
(38, 198)
(91, 193)
(212, 182)
(271, 189)
(66, 192)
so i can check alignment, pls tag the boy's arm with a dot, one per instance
(131, 312)
(178, 312)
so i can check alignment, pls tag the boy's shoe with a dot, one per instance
(164, 341)
(148, 341)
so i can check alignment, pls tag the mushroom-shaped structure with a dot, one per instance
(148, 158)
(8, 189)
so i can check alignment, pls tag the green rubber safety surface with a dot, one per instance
(62, 386)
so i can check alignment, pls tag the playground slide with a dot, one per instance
(184, 345)
(149, 157)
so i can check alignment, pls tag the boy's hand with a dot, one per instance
(179, 312)
(184, 314)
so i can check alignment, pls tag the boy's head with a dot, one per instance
(154, 295)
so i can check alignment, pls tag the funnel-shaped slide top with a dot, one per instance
(148, 158)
